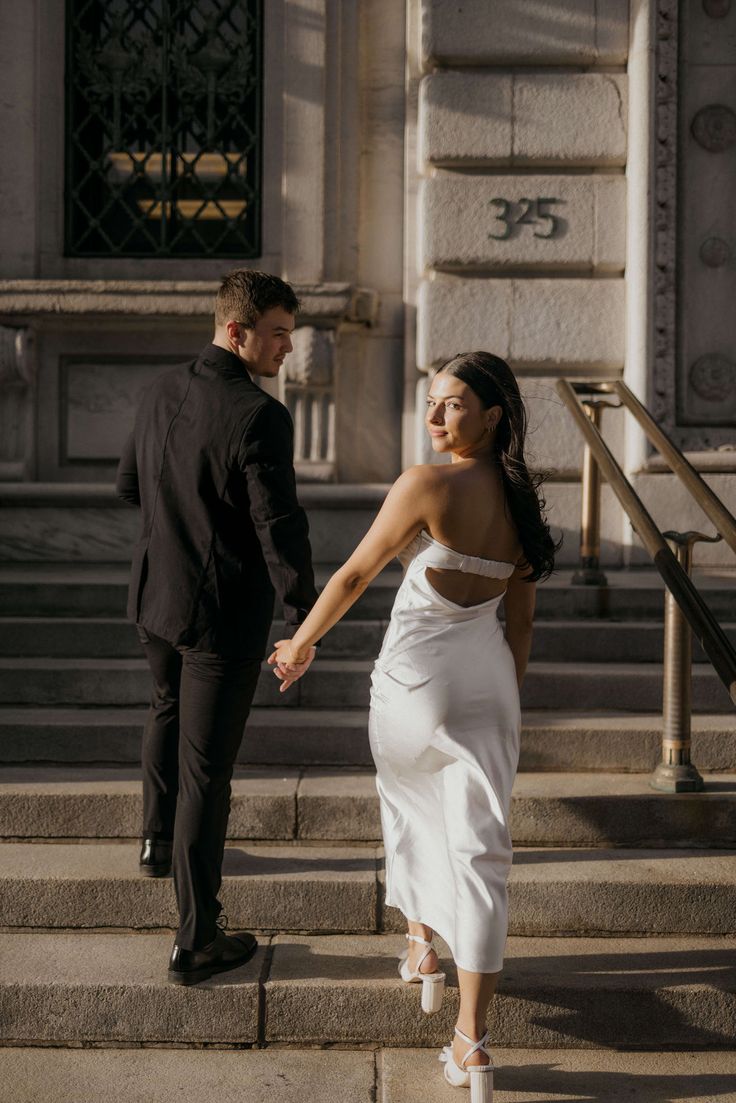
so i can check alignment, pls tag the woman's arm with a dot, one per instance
(400, 518)
(519, 610)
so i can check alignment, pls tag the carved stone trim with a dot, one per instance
(663, 394)
(16, 405)
(327, 302)
(309, 393)
(665, 228)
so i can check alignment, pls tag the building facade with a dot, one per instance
(551, 180)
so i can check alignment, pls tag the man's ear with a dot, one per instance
(233, 330)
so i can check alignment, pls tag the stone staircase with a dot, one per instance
(620, 978)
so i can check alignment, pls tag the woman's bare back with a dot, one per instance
(469, 514)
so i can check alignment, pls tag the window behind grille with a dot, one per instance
(163, 128)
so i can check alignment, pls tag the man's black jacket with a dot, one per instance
(210, 462)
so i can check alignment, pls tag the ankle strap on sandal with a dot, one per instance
(418, 938)
(474, 1046)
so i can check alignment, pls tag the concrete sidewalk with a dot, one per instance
(276, 1075)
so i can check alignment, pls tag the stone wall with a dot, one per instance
(518, 193)
(82, 335)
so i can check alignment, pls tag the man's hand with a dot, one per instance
(290, 664)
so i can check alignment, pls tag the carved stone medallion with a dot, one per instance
(714, 127)
(713, 377)
(717, 9)
(715, 252)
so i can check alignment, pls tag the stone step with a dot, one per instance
(273, 736)
(86, 524)
(341, 804)
(311, 990)
(266, 888)
(318, 888)
(554, 640)
(387, 1075)
(344, 683)
(113, 637)
(560, 740)
(99, 590)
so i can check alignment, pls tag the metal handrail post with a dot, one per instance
(675, 772)
(705, 626)
(589, 572)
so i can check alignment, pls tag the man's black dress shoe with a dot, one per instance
(155, 859)
(223, 953)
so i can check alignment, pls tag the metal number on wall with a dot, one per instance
(513, 215)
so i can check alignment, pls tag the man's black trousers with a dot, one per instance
(199, 705)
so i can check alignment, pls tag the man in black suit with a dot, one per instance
(210, 463)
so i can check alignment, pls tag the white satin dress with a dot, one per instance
(444, 731)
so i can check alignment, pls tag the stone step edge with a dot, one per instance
(553, 719)
(335, 804)
(352, 666)
(347, 1073)
(547, 624)
(564, 893)
(273, 997)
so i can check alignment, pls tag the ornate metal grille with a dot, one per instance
(163, 128)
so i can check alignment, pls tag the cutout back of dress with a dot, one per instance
(434, 555)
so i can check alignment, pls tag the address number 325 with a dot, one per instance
(513, 215)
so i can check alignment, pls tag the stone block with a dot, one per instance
(465, 118)
(314, 737)
(562, 325)
(552, 442)
(499, 32)
(638, 686)
(672, 507)
(618, 891)
(502, 223)
(334, 684)
(541, 1075)
(572, 992)
(346, 988)
(578, 119)
(113, 988)
(170, 1076)
(19, 133)
(333, 804)
(482, 118)
(56, 803)
(85, 523)
(619, 742)
(620, 810)
(369, 381)
(264, 888)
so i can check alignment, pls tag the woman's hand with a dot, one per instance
(290, 662)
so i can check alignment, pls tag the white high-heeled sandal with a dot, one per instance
(433, 984)
(478, 1077)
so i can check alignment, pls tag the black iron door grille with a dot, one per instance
(163, 128)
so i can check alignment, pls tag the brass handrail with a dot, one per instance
(708, 501)
(707, 630)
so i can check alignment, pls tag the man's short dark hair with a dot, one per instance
(245, 295)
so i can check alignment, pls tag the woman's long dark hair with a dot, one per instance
(492, 380)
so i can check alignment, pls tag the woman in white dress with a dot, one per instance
(445, 722)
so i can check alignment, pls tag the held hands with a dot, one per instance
(290, 664)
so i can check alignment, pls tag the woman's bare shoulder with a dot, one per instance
(422, 476)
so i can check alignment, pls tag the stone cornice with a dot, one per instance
(102, 495)
(325, 302)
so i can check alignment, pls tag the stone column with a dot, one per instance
(17, 446)
(309, 393)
